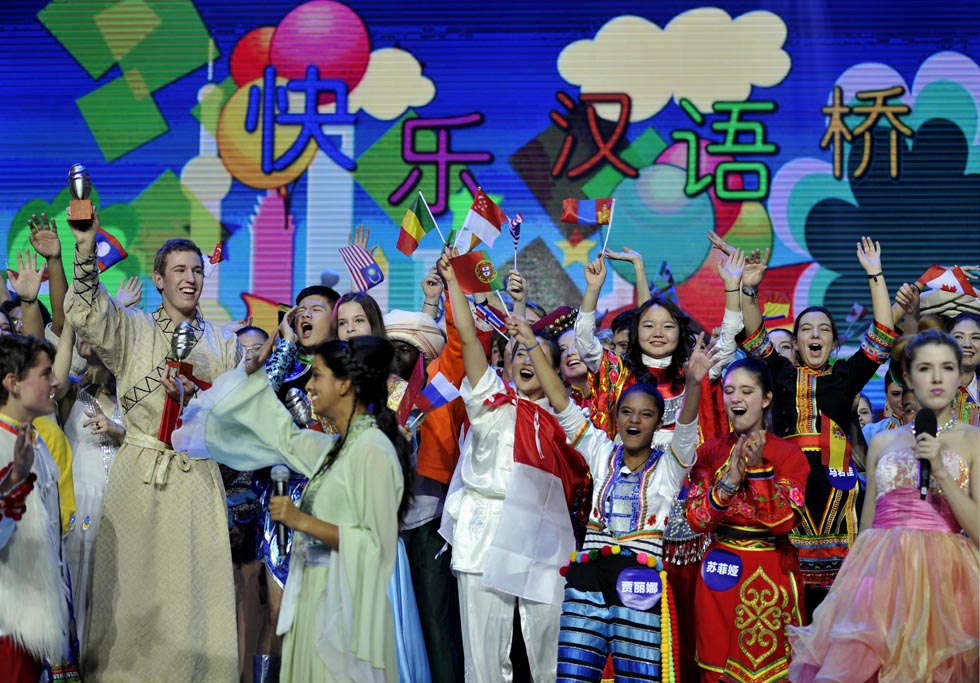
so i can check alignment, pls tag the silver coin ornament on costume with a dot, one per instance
(79, 182)
(182, 340)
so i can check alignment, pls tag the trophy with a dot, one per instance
(299, 407)
(80, 186)
(181, 343)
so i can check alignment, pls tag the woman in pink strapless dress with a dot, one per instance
(905, 604)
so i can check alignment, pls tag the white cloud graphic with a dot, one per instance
(392, 83)
(702, 54)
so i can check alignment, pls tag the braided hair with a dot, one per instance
(366, 362)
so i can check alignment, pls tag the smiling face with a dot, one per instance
(745, 400)
(571, 367)
(525, 378)
(35, 390)
(815, 339)
(313, 321)
(657, 332)
(181, 282)
(934, 375)
(967, 335)
(329, 395)
(637, 419)
(352, 321)
(251, 342)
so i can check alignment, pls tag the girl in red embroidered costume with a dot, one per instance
(747, 488)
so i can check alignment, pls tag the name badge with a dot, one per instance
(721, 569)
(844, 481)
(639, 588)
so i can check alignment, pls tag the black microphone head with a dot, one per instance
(925, 422)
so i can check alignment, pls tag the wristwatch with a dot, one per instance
(750, 291)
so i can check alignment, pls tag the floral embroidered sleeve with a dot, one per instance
(773, 498)
(770, 496)
(705, 510)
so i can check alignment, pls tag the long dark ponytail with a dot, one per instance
(366, 362)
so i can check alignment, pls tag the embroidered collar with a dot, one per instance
(166, 324)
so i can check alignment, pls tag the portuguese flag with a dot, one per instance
(475, 272)
(417, 223)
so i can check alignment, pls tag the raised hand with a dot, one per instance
(736, 463)
(907, 297)
(595, 273)
(730, 269)
(287, 327)
(360, 237)
(130, 292)
(432, 286)
(517, 287)
(520, 329)
(27, 281)
(626, 254)
(44, 236)
(718, 243)
(755, 268)
(699, 361)
(444, 267)
(869, 255)
(85, 234)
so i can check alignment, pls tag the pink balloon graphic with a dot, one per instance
(325, 34)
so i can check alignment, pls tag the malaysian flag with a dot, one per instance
(365, 272)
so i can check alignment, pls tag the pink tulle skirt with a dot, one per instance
(905, 607)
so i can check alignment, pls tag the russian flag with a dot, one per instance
(438, 392)
(586, 211)
(108, 251)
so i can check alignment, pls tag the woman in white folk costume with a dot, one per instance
(507, 511)
(162, 603)
(34, 618)
(635, 486)
(335, 614)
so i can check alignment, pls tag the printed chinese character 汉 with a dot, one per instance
(604, 147)
(736, 130)
(442, 157)
(271, 104)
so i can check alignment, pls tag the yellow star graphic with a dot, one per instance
(575, 254)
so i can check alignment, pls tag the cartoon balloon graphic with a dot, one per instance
(325, 34)
(251, 55)
(241, 150)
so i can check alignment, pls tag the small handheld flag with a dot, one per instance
(515, 233)
(365, 272)
(475, 272)
(108, 250)
(587, 211)
(485, 219)
(438, 392)
(417, 223)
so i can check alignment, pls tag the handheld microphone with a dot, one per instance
(280, 476)
(925, 423)
(299, 407)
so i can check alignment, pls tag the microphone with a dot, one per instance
(299, 407)
(925, 423)
(280, 475)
